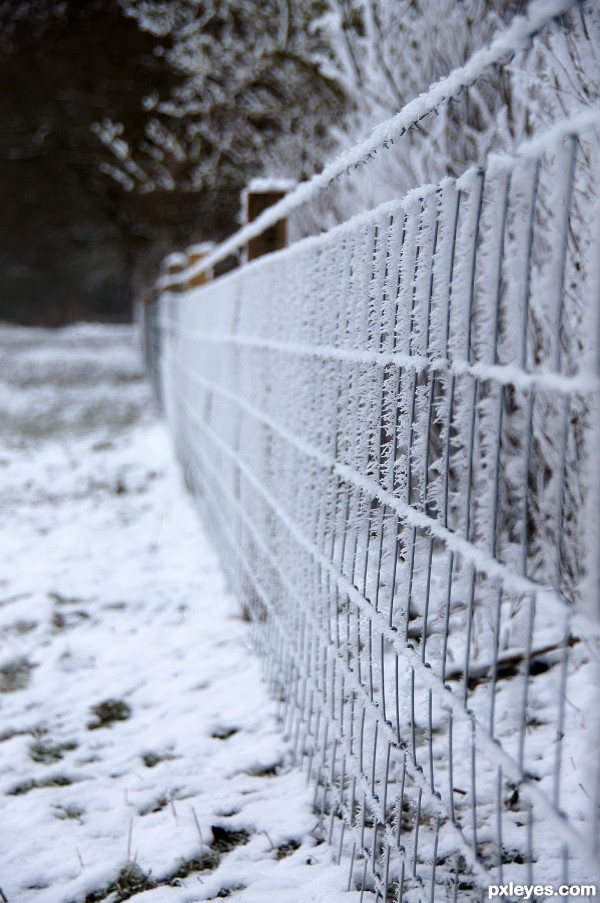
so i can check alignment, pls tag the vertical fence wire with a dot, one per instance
(390, 430)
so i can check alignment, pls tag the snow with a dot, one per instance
(264, 185)
(111, 591)
(267, 184)
(202, 247)
(175, 259)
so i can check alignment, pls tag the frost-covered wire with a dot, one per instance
(516, 37)
(390, 430)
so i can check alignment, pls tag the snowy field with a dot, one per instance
(139, 752)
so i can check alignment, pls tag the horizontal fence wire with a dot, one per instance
(392, 432)
(517, 36)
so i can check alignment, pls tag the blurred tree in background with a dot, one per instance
(128, 127)
(69, 238)
(100, 176)
(250, 94)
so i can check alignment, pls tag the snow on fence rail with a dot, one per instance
(392, 431)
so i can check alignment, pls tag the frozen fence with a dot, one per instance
(392, 430)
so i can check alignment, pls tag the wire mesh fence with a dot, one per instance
(392, 431)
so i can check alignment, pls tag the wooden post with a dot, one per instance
(194, 254)
(257, 197)
(173, 265)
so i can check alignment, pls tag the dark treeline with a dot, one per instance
(73, 243)
(128, 128)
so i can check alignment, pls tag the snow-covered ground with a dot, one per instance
(139, 751)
